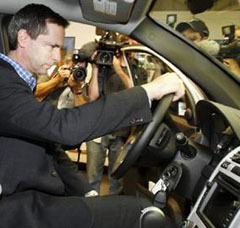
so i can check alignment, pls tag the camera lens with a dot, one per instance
(105, 57)
(79, 74)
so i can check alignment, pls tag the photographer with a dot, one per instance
(80, 74)
(72, 94)
(197, 31)
(114, 78)
(49, 87)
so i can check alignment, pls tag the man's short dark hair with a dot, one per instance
(33, 18)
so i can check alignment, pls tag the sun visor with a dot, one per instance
(107, 11)
(211, 114)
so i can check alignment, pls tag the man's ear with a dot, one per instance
(23, 37)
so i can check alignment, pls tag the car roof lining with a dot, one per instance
(123, 22)
(109, 12)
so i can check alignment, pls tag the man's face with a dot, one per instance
(192, 35)
(44, 51)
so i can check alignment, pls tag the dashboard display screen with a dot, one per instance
(219, 206)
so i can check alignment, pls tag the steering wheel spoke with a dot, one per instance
(133, 147)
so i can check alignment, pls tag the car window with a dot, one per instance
(214, 28)
(145, 67)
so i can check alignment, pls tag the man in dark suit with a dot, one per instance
(40, 187)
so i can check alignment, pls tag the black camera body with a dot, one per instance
(230, 47)
(106, 50)
(231, 50)
(108, 46)
(79, 73)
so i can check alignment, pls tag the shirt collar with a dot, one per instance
(24, 74)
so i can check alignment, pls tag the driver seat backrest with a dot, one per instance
(4, 42)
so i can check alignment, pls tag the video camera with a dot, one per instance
(230, 47)
(107, 48)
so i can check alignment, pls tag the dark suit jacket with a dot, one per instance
(34, 176)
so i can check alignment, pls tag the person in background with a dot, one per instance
(75, 93)
(197, 31)
(115, 79)
(51, 85)
(40, 186)
(81, 62)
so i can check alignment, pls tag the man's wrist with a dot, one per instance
(148, 95)
(147, 90)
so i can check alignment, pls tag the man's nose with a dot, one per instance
(56, 55)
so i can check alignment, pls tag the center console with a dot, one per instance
(219, 203)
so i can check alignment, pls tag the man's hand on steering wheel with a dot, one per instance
(167, 83)
(168, 87)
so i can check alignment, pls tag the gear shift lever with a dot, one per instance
(187, 150)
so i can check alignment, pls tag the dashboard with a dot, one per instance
(219, 125)
(218, 203)
(206, 169)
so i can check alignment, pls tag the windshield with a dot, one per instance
(213, 25)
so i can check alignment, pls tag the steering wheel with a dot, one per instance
(136, 143)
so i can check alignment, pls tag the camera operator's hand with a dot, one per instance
(233, 65)
(163, 85)
(118, 62)
(93, 61)
(43, 89)
(94, 67)
(63, 73)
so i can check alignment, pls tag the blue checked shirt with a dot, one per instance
(24, 74)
